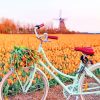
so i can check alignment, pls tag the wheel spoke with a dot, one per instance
(90, 86)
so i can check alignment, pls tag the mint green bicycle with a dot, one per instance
(86, 81)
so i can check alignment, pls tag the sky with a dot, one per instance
(80, 15)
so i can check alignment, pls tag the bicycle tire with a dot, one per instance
(32, 94)
(2, 82)
(87, 82)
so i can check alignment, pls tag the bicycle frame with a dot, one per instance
(75, 78)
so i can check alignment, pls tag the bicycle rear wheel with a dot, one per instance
(13, 91)
(89, 84)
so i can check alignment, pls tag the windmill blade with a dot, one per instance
(60, 13)
(56, 19)
(65, 18)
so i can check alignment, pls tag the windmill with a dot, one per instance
(62, 26)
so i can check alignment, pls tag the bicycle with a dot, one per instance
(79, 89)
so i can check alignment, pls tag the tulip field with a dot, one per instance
(60, 52)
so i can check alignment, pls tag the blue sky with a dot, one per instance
(81, 15)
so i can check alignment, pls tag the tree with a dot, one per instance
(7, 26)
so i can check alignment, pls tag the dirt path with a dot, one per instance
(55, 93)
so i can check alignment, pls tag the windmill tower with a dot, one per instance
(62, 26)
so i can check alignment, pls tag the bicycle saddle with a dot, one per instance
(85, 50)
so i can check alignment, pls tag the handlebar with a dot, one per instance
(45, 35)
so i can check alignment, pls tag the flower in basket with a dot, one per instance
(23, 57)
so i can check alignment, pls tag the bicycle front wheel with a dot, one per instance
(16, 90)
(90, 85)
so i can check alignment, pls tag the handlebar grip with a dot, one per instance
(53, 37)
(39, 26)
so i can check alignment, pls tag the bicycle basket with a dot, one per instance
(23, 57)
